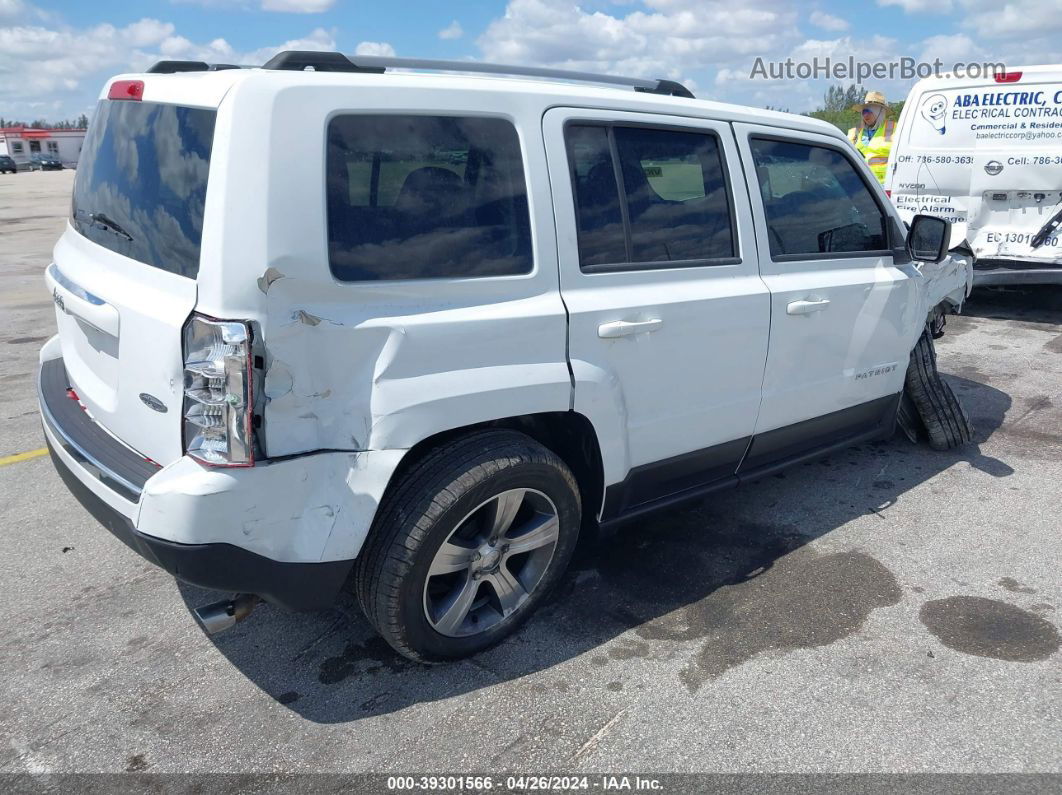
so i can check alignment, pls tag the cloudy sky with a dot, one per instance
(55, 54)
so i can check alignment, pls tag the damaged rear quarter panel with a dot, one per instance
(366, 367)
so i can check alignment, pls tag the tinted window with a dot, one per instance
(417, 197)
(141, 182)
(598, 217)
(676, 195)
(815, 200)
(674, 206)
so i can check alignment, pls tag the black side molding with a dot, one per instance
(692, 476)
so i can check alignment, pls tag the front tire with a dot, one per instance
(943, 417)
(466, 545)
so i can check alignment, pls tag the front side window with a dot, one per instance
(649, 197)
(815, 201)
(420, 197)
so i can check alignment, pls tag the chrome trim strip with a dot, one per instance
(76, 289)
(119, 484)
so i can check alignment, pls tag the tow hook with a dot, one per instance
(219, 616)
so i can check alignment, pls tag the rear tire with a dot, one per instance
(467, 528)
(943, 417)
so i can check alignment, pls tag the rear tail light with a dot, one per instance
(1007, 77)
(126, 89)
(218, 392)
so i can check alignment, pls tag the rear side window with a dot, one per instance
(421, 197)
(815, 201)
(141, 182)
(648, 197)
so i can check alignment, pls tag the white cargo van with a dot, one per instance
(481, 316)
(987, 155)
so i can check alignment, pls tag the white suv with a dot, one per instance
(410, 333)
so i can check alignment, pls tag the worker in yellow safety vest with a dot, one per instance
(873, 136)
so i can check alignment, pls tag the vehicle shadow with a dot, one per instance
(1035, 303)
(736, 570)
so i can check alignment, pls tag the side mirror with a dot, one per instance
(928, 239)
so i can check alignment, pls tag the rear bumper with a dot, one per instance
(287, 531)
(221, 567)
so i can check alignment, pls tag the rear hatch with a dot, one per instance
(988, 158)
(124, 275)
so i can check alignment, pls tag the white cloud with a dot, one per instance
(1017, 19)
(821, 19)
(9, 9)
(57, 72)
(298, 6)
(673, 39)
(282, 6)
(375, 48)
(452, 31)
(919, 6)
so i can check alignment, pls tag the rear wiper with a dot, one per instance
(1045, 231)
(104, 221)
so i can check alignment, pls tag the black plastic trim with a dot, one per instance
(1015, 264)
(219, 567)
(767, 453)
(669, 88)
(172, 67)
(121, 469)
(299, 60)
(786, 445)
(659, 480)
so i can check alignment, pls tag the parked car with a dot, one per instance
(986, 154)
(42, 162)
(7, 164)
(487, 316)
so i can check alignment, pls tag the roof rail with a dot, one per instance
(337, 62)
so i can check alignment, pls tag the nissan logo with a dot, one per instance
(152, 402)
(993, 167)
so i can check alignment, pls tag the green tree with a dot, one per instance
(841, 105)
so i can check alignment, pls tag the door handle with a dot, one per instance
(624, 328)
(806, 307)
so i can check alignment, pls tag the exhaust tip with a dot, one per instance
(219, 616)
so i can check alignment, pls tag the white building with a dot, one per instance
(21, 143)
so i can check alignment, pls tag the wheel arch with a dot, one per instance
(568, 434)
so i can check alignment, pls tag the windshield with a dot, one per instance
(141, 182)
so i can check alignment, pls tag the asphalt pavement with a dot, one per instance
(889, 609)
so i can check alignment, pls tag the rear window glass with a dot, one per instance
(419, 197)
(141, 182)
